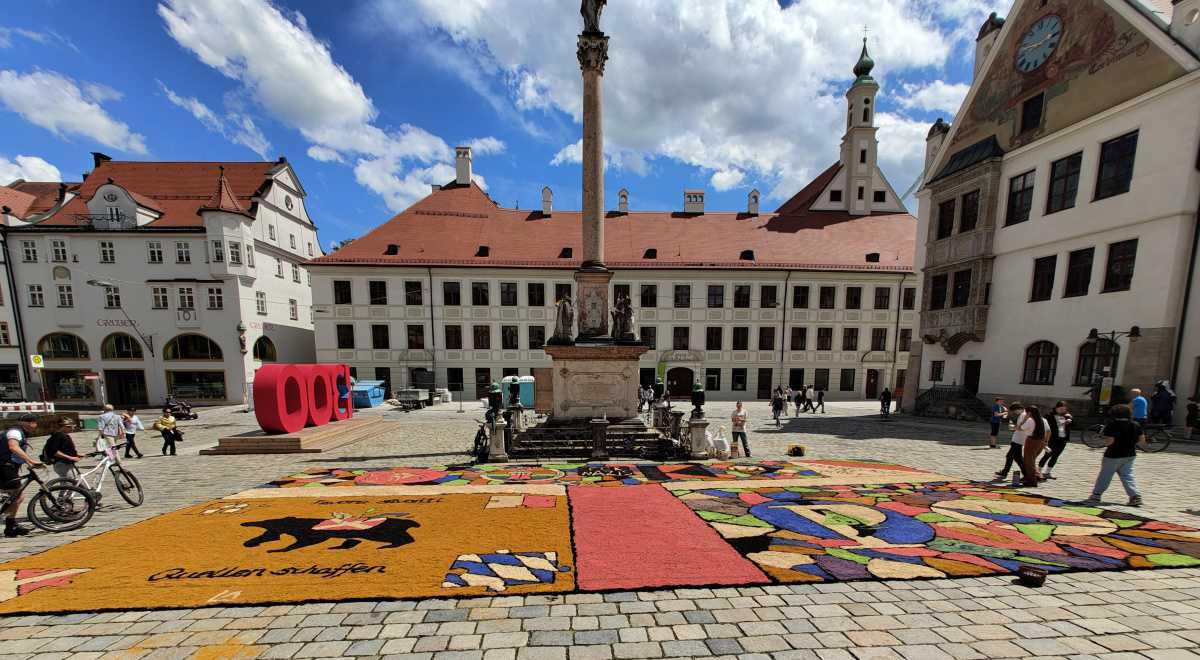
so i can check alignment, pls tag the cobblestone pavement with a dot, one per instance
(1118, 615)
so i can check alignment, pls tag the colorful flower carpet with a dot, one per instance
(331, 534)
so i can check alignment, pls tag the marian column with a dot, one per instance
(592, 278)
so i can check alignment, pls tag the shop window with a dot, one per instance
(120, 346)
(191, 347)
(1094, 357)
(201, 385)
(63, 346)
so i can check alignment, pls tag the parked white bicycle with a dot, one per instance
(93, 480)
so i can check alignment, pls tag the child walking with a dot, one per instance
(1060, 421)
(132, 424)
(1016, 414)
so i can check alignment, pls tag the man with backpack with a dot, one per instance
(14, 452)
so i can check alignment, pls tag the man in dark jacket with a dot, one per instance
(14, 452)
(59, 450)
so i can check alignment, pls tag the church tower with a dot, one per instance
(859, 146)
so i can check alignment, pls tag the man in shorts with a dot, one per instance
(13, 454)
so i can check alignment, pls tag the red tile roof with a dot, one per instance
(46, 192)
(15, 201)
(447, 227)
(176, 189)
(222, 199)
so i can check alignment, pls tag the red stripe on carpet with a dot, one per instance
(643, 537)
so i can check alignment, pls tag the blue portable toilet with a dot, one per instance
(368, 393)
(526, 383)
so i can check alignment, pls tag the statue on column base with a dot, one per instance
(564, 323)
(622, 322)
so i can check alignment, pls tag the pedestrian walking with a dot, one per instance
(60, 452)
(777, 405)
(1139, 407)
(14, 452)
(166, 426)
(132, 424)
(738, 421)
(1162, 404)
(1122, 436)
(998, 413)
(1060, 421)
(820, 401)
(110, 426)
(1035, 442)
(1192, 420)
(799, 398)
(885, 402)
(1016, 416)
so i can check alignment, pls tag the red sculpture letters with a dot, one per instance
(288, 397)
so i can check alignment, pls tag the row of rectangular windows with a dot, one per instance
(160, 298)
(377, 294)
(1113, 177)
(481, 336)
(1118, 276)
(1094, 359)
(219, 252)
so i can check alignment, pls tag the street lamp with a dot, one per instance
(1134, 333)
(104, 284)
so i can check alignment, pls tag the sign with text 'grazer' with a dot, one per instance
(289, 397)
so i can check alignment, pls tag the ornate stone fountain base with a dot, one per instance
(595, 380)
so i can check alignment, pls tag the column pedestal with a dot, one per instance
(591, 288)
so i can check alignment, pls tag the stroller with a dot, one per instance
(180, 409)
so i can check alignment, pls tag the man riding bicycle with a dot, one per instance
(13, 455)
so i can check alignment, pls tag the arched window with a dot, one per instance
(1041, 361)
(866, 115)
(62, 346)
(120, 346)
(264, 349)
(1094, 356)
(192, 347)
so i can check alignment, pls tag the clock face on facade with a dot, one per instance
(1039, 43)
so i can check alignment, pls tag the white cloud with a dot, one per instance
(7, 34)
(934, 96)
(486, 146)
(236, 127)
(57, 104)
(740, 89)
(29, 168)
(727, 179)
(614, 158)
(901, 149)
(277, 59)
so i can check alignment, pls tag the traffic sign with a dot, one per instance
(37, 361)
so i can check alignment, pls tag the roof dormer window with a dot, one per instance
(747, 255)
(483, 251)
(651, 253)
(392, 249)
(565, 253)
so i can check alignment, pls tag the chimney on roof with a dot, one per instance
(547, 201)
(62, 191)
(623, 201)
(1185, 23)
(693, 201)
(462, 166)
(281, 160)
(98, 158)
(752, 202)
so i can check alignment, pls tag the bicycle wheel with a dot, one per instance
(1157, 441)
(128, 486)
(60, 507)
(1093, 436)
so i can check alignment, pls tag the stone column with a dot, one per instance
(593, 53)
(697, 438)
(592, 279)
(497, 453)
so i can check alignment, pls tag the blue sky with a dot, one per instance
(367, 99)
